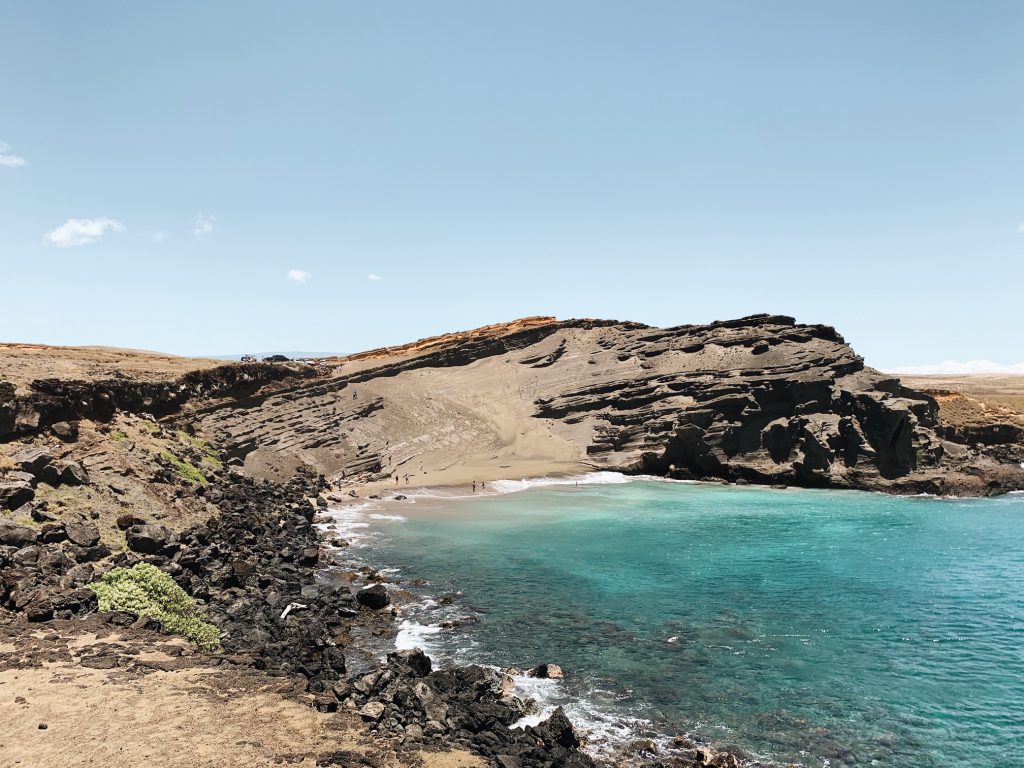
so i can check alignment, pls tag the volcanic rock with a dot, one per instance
(375, 597)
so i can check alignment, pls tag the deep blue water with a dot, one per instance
(817, 627)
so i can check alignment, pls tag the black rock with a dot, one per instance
(72, 473)
(32, 460)
(374, 597)
(66, 431)
(82, 532)
(15, 494)
(147, 539)
(412, 661)
(12, 535)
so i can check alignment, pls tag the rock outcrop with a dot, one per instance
(762, 399)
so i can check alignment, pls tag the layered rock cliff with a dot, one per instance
(761, 399)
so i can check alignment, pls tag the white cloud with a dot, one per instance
(203, 226)
(372, 276)
(82, 231)
(158, 237)
(8, 159)
(954, 367)
(299, 275)
(1020, 228)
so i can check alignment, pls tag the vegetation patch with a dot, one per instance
(184, 469)
(211, 457)
(118, 436)
(145, 590)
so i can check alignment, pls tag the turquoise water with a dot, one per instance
(824, 628)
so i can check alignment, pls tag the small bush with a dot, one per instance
(145, 590)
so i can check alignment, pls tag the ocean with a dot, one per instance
(821, 628)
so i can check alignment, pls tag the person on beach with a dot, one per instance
(474, 486)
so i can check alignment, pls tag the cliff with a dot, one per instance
(762, 399)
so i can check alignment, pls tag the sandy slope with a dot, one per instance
(153, 708)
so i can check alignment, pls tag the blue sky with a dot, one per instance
(167, 166)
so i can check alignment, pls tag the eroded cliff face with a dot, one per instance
(761, 399)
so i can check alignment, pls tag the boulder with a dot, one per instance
(84, 533)
(80, 575)
(21, 477)
(126, 521)
(412, 661)
(374, 597)
(309, 556)
(32, 460)
(72, 473)
(372, 710)
(12, 535)
(76, 602)
(557, 730)
(53, 533)
(40, 512)
(67, 431)
(147, 539)
(547, 671)
(15, 494)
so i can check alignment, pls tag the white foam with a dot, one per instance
(590, 478)
(378, 516)
(348, 522)
(412, 635)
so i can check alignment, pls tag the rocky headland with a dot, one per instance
(214, 473)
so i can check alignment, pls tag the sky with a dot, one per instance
(230, 177)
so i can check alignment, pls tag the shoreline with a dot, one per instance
(611, 733)
(615, 738)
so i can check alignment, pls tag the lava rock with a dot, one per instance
(547, 671)
(71, 473)
(82, 532)
(374, 597)
(12, 535)
(412, 661)
(15, 494)
(33, 460)
(147, 539)
(66, 431)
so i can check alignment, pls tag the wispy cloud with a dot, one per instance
(300, 276)
(1020, 228)
(204, 225)
(157, 237)
(8, 159)
(82, 231)
(955, 367)
(372, 276)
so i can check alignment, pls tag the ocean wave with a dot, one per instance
(412, 634)
(589, 478)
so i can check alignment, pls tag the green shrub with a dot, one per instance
(147, 591)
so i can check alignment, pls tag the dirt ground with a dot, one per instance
(77, 694)
(974, 399)
(22, 363)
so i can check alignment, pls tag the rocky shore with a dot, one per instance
(215, 477)
(257, 567)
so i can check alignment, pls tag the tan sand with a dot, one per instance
(193, 718)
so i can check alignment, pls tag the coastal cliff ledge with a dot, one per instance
(761, 399)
